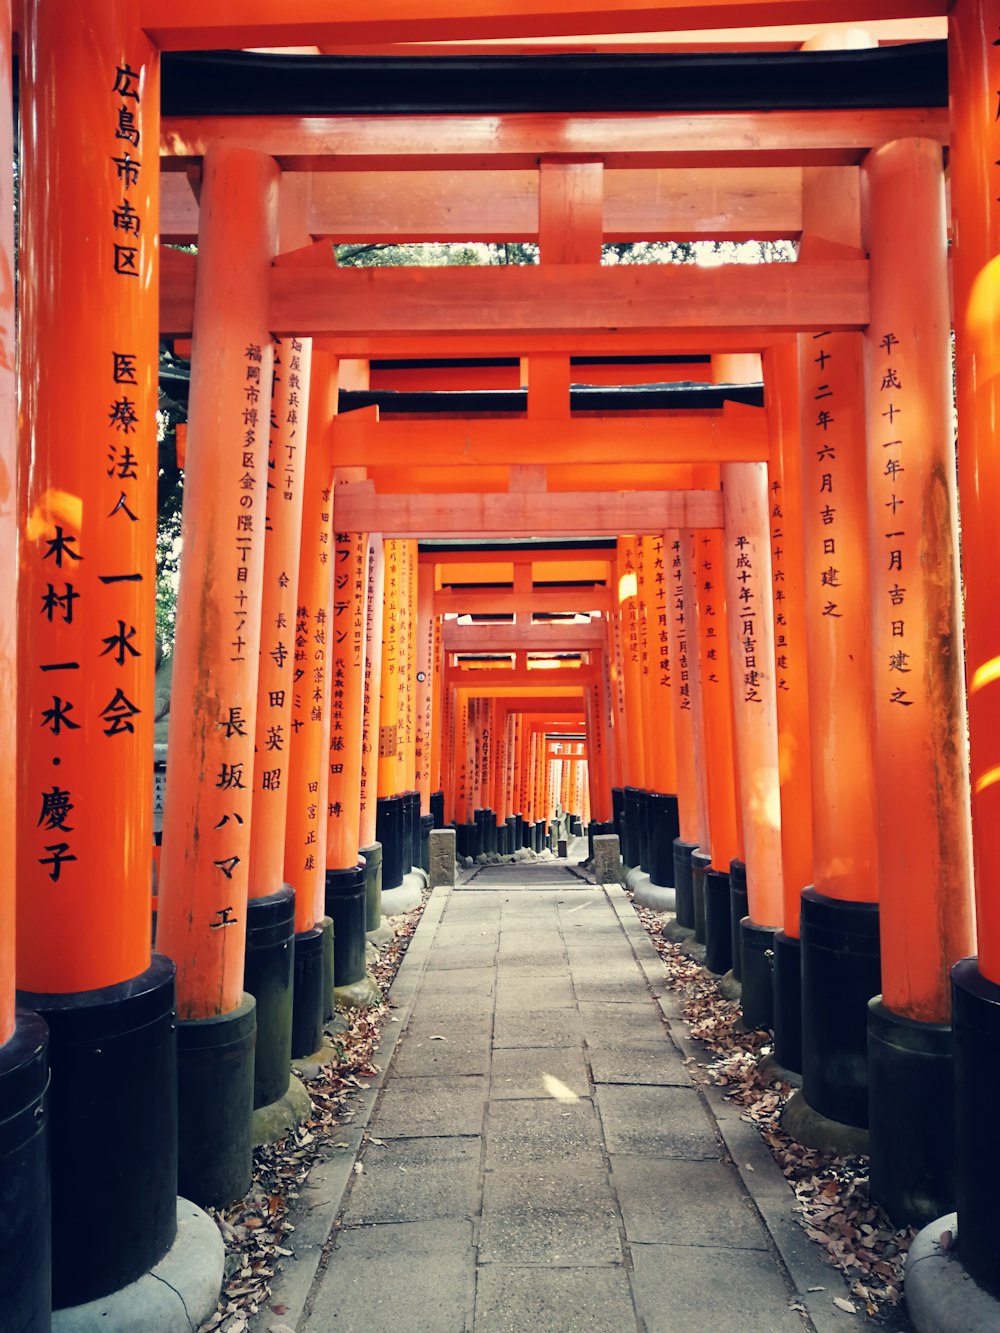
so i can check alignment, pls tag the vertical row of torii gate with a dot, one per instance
(769, 622)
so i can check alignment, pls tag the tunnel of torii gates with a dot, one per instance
(671, 551)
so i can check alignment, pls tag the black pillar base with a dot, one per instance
(408, 802)
(268, 978)
(329, 1007)
(631, 845)
(437, 808)
(700, 862)
(372, 857)
(645, 837)
(478, 847)
(389, 832)
(976, 1022)
(841, 972)
(684, 883)
(307, 1006)
(911, 1117)
(215, 1105)
(489, 831)
(113, 1094)
(518, 832)
(664, 828)
(426, 824)
(618, 813)
(718, 929)
(25, 1227)
(788, 1002)
(415, 831)
(345, 903)
(739, 907)
(757, 952)
(511, 844)
(527, 834)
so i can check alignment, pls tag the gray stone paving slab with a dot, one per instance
(520, 992)
(414, 1180)
(416, 1107)
(574, 1300)
(552, 963)
(606, 1023)
(457, 980)
(649, 1065)
(521, 1073)
(413, 1276)
(427, 1054)
(537, 1027)
(688, 1289)
(547, 1215)
(455, 957)
(656, 1122)
(613, 990)
(520, 1133)
(685, 1203)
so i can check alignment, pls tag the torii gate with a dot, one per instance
(89, 337)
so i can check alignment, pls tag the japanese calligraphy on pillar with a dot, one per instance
(746, 611)
(782, 636)
(388, 744)
(896, 667)
(90, 628)
(350, 586)
(678, 612)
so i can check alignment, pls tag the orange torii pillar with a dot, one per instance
(389, 819)
(25, 1267)
(370, 847)
(921, 760)
(711, 864)
(87, 502)
(308, 739)
(634, 843)
(346, 892)
(756, 886)
(839, 911)
(271, 905)
(974, 78)
(206, 838)
(407, 782)
(784, 469)
(661, 754)
(689, 740)
(427, 718)
(616, 671)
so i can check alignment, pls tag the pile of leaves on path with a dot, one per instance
(257, 1230)
(831, 1193)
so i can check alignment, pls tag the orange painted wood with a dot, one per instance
(347, 681)
(510, 377)
(735, 434)
(8, 541)
(582, 297)
(389, 721)
(781, 387)
(86, 498)
(517, 141)
(460, 557)
(722, 774)
(747, 560)
(427, 720)
(374, 610)
(631, 665)
(407, 682)
(838, 617)
(201, 921)
(583, 479)
(487, 601)
(686, 693)
(309, 741)
(286, 463)
(975, 149)
(544, 637)
(565, 514)
(921, 758)
(661, 670)
(570, 211)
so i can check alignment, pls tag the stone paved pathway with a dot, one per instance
(539, 1158)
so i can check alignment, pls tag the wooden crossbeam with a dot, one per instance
(736, 434)
(516, 141)
(802, 297)
(566, 514)
(392, 206)
(497, 601)
(531, 638)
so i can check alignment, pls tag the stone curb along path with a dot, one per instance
(323, 1197)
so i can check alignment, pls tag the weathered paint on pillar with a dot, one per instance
(838, 622)
(347, 690)
(781, 389)
(921, 760)
(286, 465)
(306, 747)
(371, 717)
(725, 835)
(975, 188)
(88, 375)
(751, 649)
